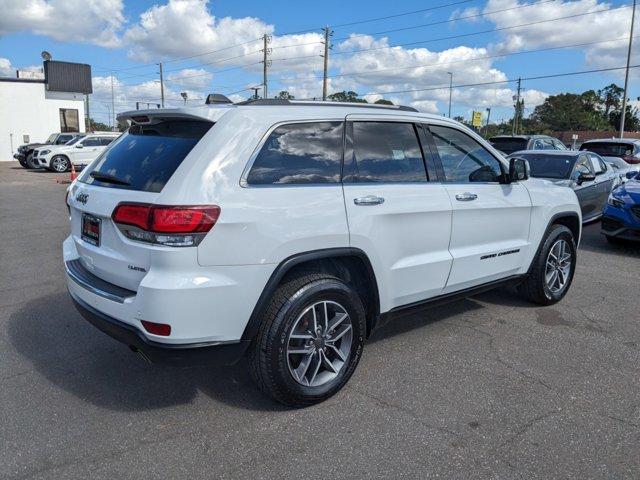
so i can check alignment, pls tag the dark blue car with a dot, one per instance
(621, 216)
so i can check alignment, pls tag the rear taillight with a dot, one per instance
(176, 226)
(631, 159)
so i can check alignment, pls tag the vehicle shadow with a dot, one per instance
(73, 355)
(593, 241)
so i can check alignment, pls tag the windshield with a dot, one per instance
(509, 145)
(146, 156)
(608, 149)
(550, 166)
(51, 138)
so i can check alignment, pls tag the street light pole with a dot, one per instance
(488, 117)
(626, 74)
(450, 90)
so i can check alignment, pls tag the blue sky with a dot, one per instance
(125, 40)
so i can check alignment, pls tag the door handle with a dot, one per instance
(368, 200)
(466, 197)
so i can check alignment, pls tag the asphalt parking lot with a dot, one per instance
(489, 387)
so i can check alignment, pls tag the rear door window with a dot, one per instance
(91, 142)
(146, 156)
(385, 152)
(104, 141)
(299, 153)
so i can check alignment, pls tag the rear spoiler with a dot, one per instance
(151, 116)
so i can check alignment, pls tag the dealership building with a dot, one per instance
(33, 106)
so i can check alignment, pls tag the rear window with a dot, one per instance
(608, 149)
(299, 153)
(509, 145)
(146, 156)
(550, 166)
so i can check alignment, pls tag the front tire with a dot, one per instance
(310, 341)
(31, 162)
(552, 269)
(59, 164)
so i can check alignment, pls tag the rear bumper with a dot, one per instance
(184, 354)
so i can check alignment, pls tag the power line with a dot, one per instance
(465, 60)
(451, 20)
(500, 29)
(497, 82)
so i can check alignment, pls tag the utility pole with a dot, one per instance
(450, 90)
(161, 86)
(514, 128)
(327, 46)
(88, 125)
(626, 74)
(486, 128)
(112, 119)
(265, 64)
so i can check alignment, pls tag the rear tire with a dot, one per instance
(23, 162)
(289, 359)
(552, 269)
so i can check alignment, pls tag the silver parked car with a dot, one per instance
(508, 144)
(622, 168)
(585, 172)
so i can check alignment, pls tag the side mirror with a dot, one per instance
(585, 177)
(79, 145)
(519, 169)
(631, 175)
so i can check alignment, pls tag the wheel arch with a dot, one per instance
(350, 264)
(569, 219)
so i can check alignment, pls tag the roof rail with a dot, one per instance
(310, 103)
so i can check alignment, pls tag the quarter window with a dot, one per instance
(299, 153)
(386, 152)
(464, 159)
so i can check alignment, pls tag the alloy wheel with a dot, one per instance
(558, 267)
(59, 164)
(319, 343)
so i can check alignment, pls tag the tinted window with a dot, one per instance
(509, 145)
(559, 145)
(463, 159)
(549, 166)
(608, 149)
(583, 165)
(386, 152)
(300, 153)
(104, 141)
(91, 142)
(147, 155)
(62, 139)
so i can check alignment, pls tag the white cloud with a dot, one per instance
(468, 14)
(85, 21)
(6, 70)
(190, 78)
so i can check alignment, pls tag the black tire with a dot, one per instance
(268, 360)
(64, 162)
(535, 288)
(31, 162)
(23, 162)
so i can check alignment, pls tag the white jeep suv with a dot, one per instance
(80, 151)
(288, 231)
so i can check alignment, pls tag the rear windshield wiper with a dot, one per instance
(106, 178)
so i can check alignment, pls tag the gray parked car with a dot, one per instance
(508, 144)
(585, 172)
(622, 168)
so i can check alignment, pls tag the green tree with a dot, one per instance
(611, 98)
(631, 119)
(284, 95)
(345, 96)
(97, 126)
(569, 111)
(382, 101)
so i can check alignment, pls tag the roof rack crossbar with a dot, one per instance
(282, 102)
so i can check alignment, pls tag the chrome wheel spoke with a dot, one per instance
(315, 369)
(326, 362)
(301, 371)
(337, 351)
(337, 320)
(346, 329)
(558, 266)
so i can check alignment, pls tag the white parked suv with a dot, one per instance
(80, 151)
(287, 231)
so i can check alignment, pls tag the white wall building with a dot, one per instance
(32, 109)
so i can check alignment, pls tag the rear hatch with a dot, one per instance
(134, 169)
